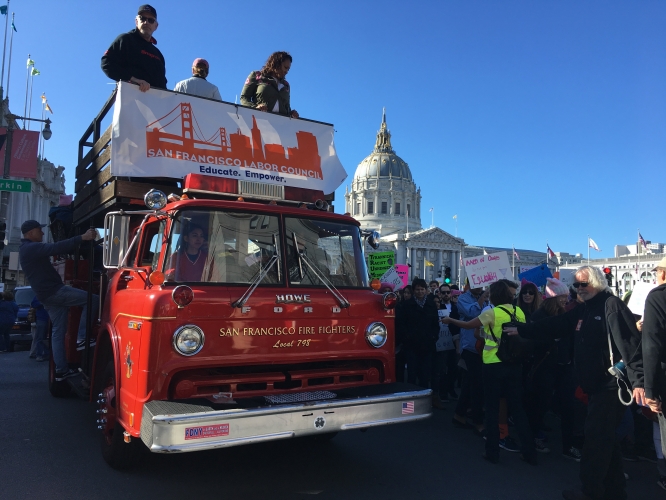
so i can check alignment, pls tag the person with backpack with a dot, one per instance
(501, 378)
(607, 358)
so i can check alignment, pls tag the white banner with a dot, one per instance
(166, 134)
(638, 296)
(483, 270)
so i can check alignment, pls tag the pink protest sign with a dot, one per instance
(403, 272)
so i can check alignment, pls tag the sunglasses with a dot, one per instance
(582, 284)
(149, 20)
(527, 292)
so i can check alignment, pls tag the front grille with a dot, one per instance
(261, 190)
(252, 381)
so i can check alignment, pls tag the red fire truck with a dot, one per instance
(230, 311)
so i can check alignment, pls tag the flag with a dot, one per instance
(14, 27)
(30, 63)
(3, 10)
(592, 244)
(48, 108)
(428, 263)
(455, 216)
(43, 99)
(516, 254)
(484, 252)
(431, 209)
(551, 254)
(642, 241)
(34, 71)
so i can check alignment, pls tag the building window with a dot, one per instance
(397, 208)
(371, 207)
(384, 207)
(357, 209)
(409, 210)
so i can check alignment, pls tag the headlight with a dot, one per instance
(155, 199)
(188, 340)
(376, 334)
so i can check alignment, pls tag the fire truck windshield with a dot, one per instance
(215, 246)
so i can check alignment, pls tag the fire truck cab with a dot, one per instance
(231, 312)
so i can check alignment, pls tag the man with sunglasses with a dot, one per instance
(133, 57)
(600, 323)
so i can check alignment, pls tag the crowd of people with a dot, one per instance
(448, 340)
(133, 57)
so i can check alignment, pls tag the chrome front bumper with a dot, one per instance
(170, 427)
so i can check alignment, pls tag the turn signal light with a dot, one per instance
(375, 284)
(390, 300)
(182, 295)
(156, 278)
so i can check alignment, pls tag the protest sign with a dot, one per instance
(379, 263)
(638, 295)
(567, 276)
(537, 275)
(483, 270)
(403, 272)
(391, 276)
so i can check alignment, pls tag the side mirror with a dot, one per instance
(373, 239)
(116, 239)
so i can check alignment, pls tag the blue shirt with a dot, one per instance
(8, 312)
(468, 308)
(36, 264)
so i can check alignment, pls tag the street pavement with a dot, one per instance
(49, 449)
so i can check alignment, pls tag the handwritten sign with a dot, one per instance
(567, 276)
(537, 275)
(638, 295)
(403, 272)
(483, 270)
(379, 263)
(391, 276)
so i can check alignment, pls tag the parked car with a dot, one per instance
(21, 331)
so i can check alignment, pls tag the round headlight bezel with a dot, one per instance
(185, 330)
(371, 332)
(155, 199)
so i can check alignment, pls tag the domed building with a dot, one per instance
(383, 192)
(384, 197)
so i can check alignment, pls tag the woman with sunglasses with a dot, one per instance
(529, 299)
(267, 89)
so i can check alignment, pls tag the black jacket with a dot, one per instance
(420, 325)
(654, 343)
(130, 55)
(588, 324)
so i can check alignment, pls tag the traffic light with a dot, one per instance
(3, 228)
(608, 275)
(447, 275)
(439, 274)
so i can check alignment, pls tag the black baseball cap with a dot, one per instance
(29, 225)
(147, 8)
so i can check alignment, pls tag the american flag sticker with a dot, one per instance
(408, 407)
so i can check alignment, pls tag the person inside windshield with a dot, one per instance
(187, 264)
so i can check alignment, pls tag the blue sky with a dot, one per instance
(533, 121)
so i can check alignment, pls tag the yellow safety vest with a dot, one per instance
(490, 348)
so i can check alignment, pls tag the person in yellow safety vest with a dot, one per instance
(501, 378)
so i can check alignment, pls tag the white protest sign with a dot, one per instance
(391, 276)
(638, 296)
(567, 276)
(483, 270)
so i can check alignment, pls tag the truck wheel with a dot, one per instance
(60, 389)
(115, 451)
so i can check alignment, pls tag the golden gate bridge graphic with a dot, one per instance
(182, 138)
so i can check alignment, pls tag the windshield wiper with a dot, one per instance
(334, 291)
(263, 272)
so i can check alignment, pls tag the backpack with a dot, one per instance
(513, 349)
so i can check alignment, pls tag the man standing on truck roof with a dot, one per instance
(198, 85)
(133, 57)
(50, 290)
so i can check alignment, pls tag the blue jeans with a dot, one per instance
(58, 306)
(38, 347)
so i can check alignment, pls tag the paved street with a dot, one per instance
(49, 448)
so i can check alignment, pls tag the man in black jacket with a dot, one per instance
(654, 347)
(421, 321)
(600, 322)
(133, 57)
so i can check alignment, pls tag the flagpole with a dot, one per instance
(588, 249)
(9, 65)
(27, 83)
(4, 51)
(32, 84)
